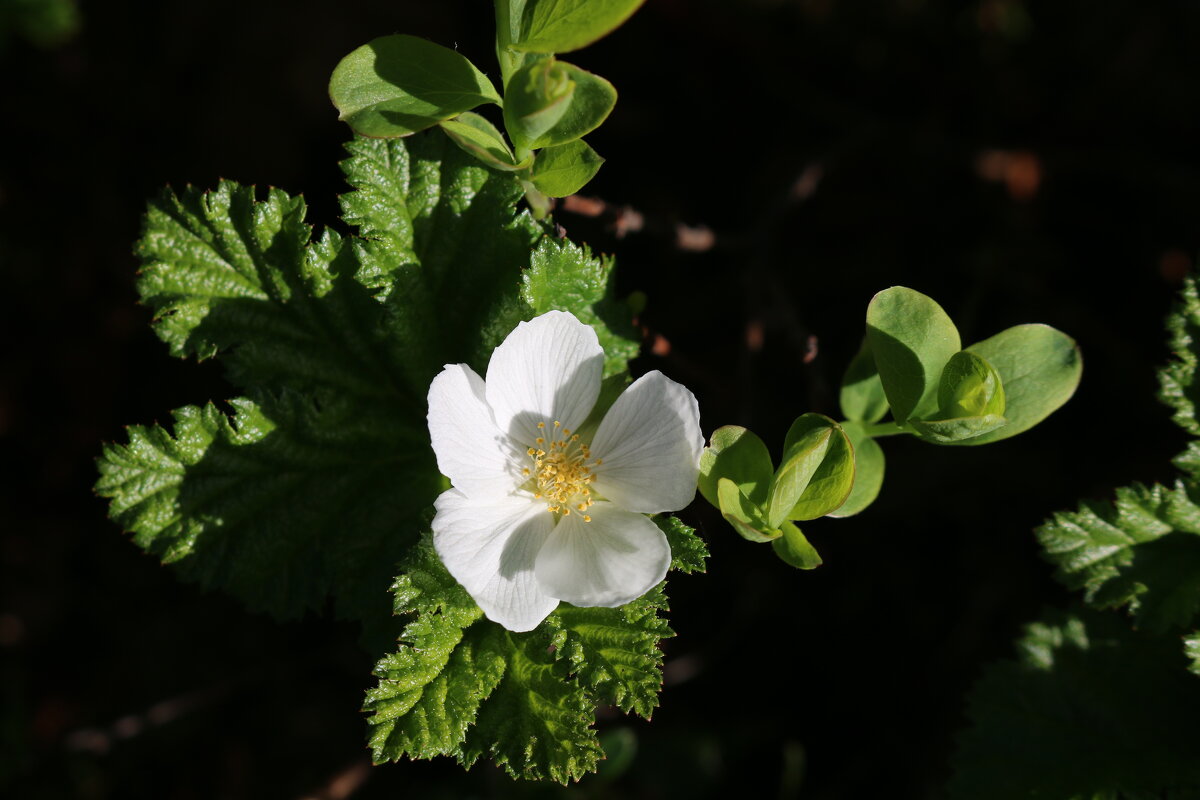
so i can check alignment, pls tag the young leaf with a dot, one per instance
(794, 548)
(745, 517)
(804, 448)
(1039, 368)
(970, 387)
(1180, 389)
(480, 138)
(961, 430)
(738, 454)
(862, 398)
(551, 103)
(398, 85)
(535, 98)
(912, 338)
(868, 471)
(833, 479)
(1143, 551)
(566, 168)
(560, 26)
(1091, 709)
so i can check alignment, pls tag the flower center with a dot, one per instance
(561, 473)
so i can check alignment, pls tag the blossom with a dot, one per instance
(539, 512)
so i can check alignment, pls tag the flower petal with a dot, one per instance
(547, 369)
(649, 443)
(490, 548)
(471, 451)
(615, 558)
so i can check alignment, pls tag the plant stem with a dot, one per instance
(885, 429)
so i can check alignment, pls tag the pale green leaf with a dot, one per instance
(868, 471)
(475, 135)
(565, 169)
(1039, 367)
(794, 548)
(398, 85)
(560, 26)
(738, 454)
(911, 338)
(550, 103)
(861, 397)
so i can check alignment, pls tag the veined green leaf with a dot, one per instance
(565, 169)
(912, 338)
(1143, 551)
(1179, 387)
(970, 387)
(398, 85)
(1089, 709)
(560, 26)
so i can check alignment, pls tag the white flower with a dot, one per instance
(537, 514)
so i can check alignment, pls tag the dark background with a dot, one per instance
(1018, 161)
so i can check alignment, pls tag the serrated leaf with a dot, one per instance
(398, 85)
(869, 466)
(560, 26)
(1143, 551)
(538, 723)
(911, 338)
(1179, 388)
(614, 651)
(335, 343)
(1040, 368)
(1091, 709)
(566, 276)
(565, 169)
(688, 550)
(280, 505)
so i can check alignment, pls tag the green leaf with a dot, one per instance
(1179, 387)
(535, 98)
(1143, 551)
(614, 651)
(740, 512)
(862, 398)
(1089, 710)
(549, 103)
(281, 505)
(912, 338)
(738, 454)
(480, 138)
(970, 387)
(804, 449)
(560, 26)
(398, 85)
(956, 431)
(1039, 367)
(317, 486)
(566, 276)
(830, 484)
(794, 548)
(868, 471)
(688, 550)
(429, 690)
(565, 169)
(1191, 648)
